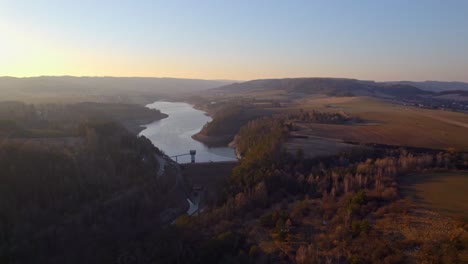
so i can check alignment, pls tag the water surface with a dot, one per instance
(173, 134)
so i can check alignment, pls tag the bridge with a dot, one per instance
(192, 153)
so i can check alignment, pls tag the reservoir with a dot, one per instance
(173, 134)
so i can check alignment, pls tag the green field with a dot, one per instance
(445, 192)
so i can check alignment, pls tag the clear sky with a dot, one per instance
(238, 39)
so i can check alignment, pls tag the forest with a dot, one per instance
(73, 176)
(56, 199)
(18, 119)
(317, 116)
(94, 190)
(282, 208)
(228, 117)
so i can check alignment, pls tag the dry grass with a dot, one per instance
(323, 100)
(316, 147)
(420, 226)
(389, 123)
(442, 192)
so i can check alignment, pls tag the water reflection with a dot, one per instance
(173, 135)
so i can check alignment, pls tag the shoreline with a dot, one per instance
(213, 141)
(198, 136)
(137, 125)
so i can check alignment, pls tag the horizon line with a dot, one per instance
(222, 80)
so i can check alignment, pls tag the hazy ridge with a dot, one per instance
(98, 89)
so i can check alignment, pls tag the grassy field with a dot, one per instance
(443, 192)
(384, 122)
(387, 123)
(316, 147)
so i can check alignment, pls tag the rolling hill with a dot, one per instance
(98, 89)
(436, 86)
(328, 86)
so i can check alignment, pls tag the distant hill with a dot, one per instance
(328, 86)
(98, 89)
(400, 90)
(458, 92)
(436, 86)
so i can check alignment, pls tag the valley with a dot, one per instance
(234, 132)
(317, 174)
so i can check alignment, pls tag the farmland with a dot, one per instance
(387, 123)
(444, 192)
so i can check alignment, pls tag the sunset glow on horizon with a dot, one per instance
(242, 40)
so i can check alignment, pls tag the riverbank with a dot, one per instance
(213, 141)
(227, 119)
(174, 135)
(135, 126)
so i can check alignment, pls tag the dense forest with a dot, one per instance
(59, 200)
(18, 119)
(75, 178)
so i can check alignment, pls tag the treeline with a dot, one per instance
(77, 203)
(259, 144)
(228, 117)
(354, 195)
(317, 116)
(18, 119)
(226, 121)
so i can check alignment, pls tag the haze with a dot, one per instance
(241, 40)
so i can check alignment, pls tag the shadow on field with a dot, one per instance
(444, 191)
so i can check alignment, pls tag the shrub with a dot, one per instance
(253, 251)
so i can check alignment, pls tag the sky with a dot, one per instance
(381, 40)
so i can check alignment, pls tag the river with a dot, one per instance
(173, 134)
